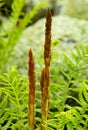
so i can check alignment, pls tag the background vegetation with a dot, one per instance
(22, 26)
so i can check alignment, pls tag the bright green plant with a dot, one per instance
(69, 105)
(13, 101)
(12, 29)
(1, 3)
(69, 92)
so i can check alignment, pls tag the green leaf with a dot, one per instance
(70, 126)
(17, 6)
(56, 42)
(4, 117)
(2, 3)
(85, 91)
(81, 98)
(3, 103)
(6, 126)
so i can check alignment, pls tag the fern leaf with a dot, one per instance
(3, 103)
(85, 91)
(70, 126)
(4, 118)
(81, 98)
(29, 16)
(17, 6)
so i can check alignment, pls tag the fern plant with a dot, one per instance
(69, 88)
(13, 101)
(75, 118)
(70, 103)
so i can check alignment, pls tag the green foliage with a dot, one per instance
(76, 8)
(1, 3)
(13, 101)
(75, 118)
(69, 92)
(69, 86)
(10, 33)
(12, 29)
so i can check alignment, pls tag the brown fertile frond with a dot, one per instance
(32, 87)
(44, 83)
(31, 73)
(45, 76)
(47, 45)
(42, 127)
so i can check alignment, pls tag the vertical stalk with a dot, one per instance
(32, 87)
(45, 76)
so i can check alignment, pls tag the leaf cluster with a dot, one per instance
(13, 101)
(69, 85)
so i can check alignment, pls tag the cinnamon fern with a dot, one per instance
(45, 76)
(61, 101)
(32, 89)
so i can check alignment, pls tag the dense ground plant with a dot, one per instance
(70, 86)
(68, 92)
(13, 101)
